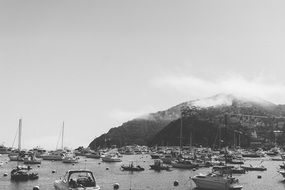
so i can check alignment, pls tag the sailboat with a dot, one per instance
(21, 173)
(58, 154)
(17, 155)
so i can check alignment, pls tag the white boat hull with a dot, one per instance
(55, 158)
(111, 159)
(58, 185)
(214, 184)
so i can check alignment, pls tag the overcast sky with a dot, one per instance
(96, 64)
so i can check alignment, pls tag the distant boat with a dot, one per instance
(76, 180)
(58, 154)
(155, 156)
(132, 167)
(54, 155)
(70, 158)
(111, 158)
(184, 164)
(158, 165)
(17, 155)
(238, 170)
(253, 154)
(95, 155)
(254, 168)
(4, 150)
(216, 181)
(22, 173)
(38, 152)
(31, 159)
(167, 158)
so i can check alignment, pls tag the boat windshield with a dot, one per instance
(81, 179)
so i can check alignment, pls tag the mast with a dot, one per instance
(190, 143)
(180, 131)
(226, 131)
(20, 134)
(62, 134)
(234, 139)
(219, 134)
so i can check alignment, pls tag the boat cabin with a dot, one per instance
(79, 178)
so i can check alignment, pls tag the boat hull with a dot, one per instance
(204, 183)
(111, 159)
(54, 158)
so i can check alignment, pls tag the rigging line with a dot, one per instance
(15, 138)
(58, 139)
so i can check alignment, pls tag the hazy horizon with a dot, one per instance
(97, 64)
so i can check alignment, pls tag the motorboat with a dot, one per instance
(111, 158)
(254, 168)
(167, 159)
(17, 157)
(95, 155)
(132, 167)
(235, 161)
(38, 152)
(22, 173)
(70, 158)
(184, 164)
(216, 181)
(155, 156)
(53, 155)
(158, 165)
(238, 170)
(77, 180)
(252, 154)
(4, 150)
(31, 159)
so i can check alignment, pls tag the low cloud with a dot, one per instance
(125, 115)
(195, 87)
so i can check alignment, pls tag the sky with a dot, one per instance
(96, 64)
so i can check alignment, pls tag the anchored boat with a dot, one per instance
(132, 167)
(77, 180)
(216, 181)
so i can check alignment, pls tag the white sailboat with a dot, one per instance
(16, 155)
(58, 154)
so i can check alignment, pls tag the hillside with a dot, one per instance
(139, 130)
(255, 119)
(203, 116)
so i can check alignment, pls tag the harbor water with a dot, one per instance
(107, 174)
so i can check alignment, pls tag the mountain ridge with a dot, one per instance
(143, 130)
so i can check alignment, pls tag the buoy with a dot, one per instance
(5, 174)
(116, 186)
(73, 164)
(107, 168)
(175, 183)
(53, 171)
(259, 176)
(194, 169)
(99, 163)
(36, 188)
(39, 166)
